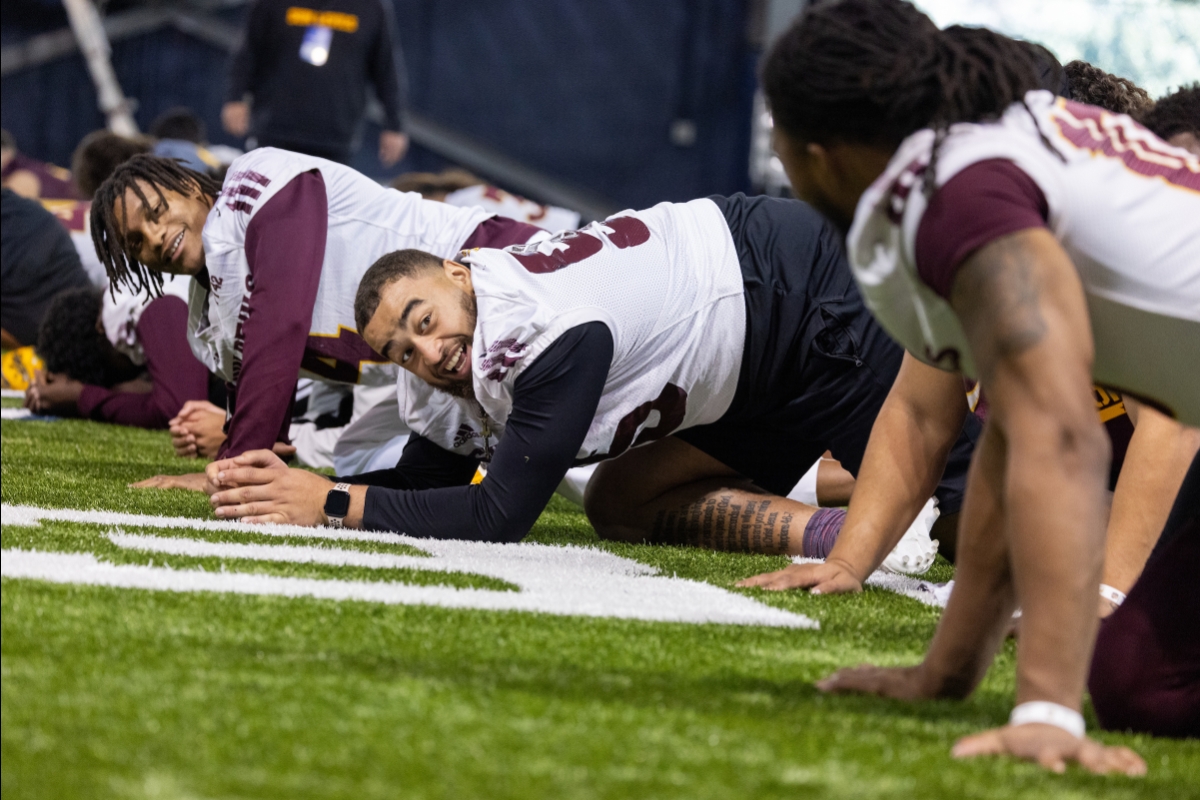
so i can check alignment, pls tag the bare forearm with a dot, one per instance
(903, 462)
(1055, 530)
(983, 600)
(1155, 463)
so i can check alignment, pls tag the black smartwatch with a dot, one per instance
(337, 504)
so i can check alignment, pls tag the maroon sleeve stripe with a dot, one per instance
(985, 201)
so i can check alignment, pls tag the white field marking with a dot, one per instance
(31, 515)
(12, 394)
(564, 580)
(266, 552)
(15, 413)
(927, 592)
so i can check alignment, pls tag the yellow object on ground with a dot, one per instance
(17, 368)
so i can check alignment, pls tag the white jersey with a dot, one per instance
(668, 285)
(121, 310)
(498, 201)
(75, 217)
(366, 221)
(1125, 207)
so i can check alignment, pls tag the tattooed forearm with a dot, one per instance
(727, 521)
(998, 299)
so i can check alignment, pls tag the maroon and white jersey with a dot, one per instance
(1125, 207)
(498, 201)
(668, 285)
(365, 222)
(121, 310)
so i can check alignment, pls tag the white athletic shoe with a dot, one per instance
(915, 553)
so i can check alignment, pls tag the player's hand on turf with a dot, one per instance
(53, 393)
(1050, 747)
(901, 683)
(284, 451)
(198, 429)
(258, 487)
(832, 577)
(193, 481)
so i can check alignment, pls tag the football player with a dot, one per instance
(1006, 234)
(97, 345)
(923, 407)
(275, 256)
(706, 353)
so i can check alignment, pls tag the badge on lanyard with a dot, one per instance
(315, 47)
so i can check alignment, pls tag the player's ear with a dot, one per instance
(821, 161)
(459, 274)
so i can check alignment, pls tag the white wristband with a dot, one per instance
(1046, 713)
(1114, 596)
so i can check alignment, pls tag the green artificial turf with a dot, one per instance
(137, 694)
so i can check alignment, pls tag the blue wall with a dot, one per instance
(584, 90)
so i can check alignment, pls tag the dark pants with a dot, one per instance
(816, 366)
(1145, 674)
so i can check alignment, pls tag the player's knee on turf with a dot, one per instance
(608, 507)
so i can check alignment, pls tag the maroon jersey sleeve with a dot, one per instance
(985, 201)
(175, 373)
(500, 232)
(285, 247)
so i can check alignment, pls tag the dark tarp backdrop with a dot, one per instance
(585, 92)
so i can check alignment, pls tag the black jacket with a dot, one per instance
(317, 108)
(37, 261)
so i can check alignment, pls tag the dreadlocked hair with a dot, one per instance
(1092, 85)
(111, 245)
(875, 71)
(68, 339)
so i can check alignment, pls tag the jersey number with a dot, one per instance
(579, 245)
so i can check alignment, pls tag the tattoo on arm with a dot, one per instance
(998, 299)
(716, 522)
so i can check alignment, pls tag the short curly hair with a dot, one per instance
(1176, 113)
(69, 340)
(1092, 85)
(98, 155)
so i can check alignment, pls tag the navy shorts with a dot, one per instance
(816, 366)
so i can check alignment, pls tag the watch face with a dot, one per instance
(337, 503)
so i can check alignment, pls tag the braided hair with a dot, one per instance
(110, 242)
(875, 71)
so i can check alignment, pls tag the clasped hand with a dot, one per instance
(258, 487)
(52, 393)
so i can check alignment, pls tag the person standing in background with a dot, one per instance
(305, 71)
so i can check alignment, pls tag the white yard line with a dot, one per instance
(266, 552)
(15, 413)
(563, 580)
(12, 394)
(30, 515)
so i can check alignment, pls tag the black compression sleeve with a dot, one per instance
(423, 465)
(554, 402)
